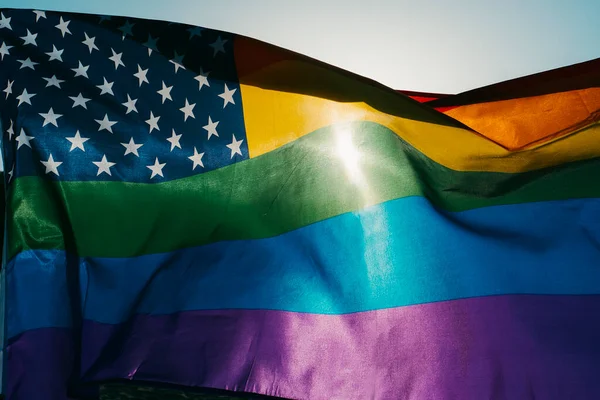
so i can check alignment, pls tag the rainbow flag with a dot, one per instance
(196, 208)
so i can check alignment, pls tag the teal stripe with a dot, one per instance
(397, 253)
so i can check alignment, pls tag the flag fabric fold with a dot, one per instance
(527, 111)
(191, 207)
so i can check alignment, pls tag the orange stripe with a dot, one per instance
(518, 123)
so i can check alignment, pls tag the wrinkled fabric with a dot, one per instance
(192, 209)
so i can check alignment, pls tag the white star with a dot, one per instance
(81, 70)
(156, 168)
(235, 146)
(195, 31)
(90, 42)
(105, 124)
(202, 79)
(27, 63)
(25, 97)
(127, 29)
(10, 130)
(151, 44)
(79, 101)
(153, 122)
(53, 81)
(116, 58)
(165, 92)
(63, 27)
(23, 139)
(4, 50)
(188, 110)
(11, 173)
(77, 142)
(197, 159)
(8, 89)
(131, 147)
(104, 165)
(177, 61)
(141, 75)
(106, 87)
(5, 22)
(227, 96)
(30, 38)
(39, 14)
(51, 165)
(174, 140)
(218, 45)
(55, 54)
(50, 118)
(211, 128)
(130, 104)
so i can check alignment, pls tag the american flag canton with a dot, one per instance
(106, 98)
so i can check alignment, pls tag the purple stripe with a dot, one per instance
(515, 347)
(39, 364)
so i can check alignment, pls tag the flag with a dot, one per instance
(196, 208)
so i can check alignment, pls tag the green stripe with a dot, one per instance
(299, 184)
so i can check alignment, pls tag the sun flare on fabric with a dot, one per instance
(350, 155)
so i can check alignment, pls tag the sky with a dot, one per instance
(422, 45)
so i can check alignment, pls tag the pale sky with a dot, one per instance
(422, 45)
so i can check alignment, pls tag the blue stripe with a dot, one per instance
(397, 253)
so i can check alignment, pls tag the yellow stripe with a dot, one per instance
(274, 118)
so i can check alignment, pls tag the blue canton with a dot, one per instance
(104, 98)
